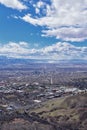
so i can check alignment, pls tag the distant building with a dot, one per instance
(51, 80)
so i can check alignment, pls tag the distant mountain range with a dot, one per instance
(4, 61)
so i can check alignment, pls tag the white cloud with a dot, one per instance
(38, 6)
(55, 52)
(67, 33)
(64, 19)
(14, 4)
(14, 48)
(37, 10)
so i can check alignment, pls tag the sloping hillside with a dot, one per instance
(67, 113)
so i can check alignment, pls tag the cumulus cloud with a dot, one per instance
(14, 48)
(38, 6)
(55, 52)
(14, 4)
(64, 19)
(67, 33)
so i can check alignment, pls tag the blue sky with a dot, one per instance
(43, 29)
